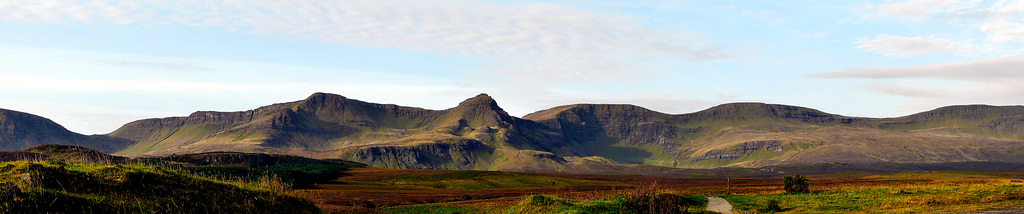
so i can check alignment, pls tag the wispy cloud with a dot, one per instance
(181, 67)
(892, 45)
(993, 70)
(1003, 20)
(917, 10)
(527, 35)
(1003, 9)
(1004, 31)
(909, 90)
(994, 81)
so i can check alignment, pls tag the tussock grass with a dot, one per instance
(644, 199)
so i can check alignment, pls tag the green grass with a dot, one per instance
(545, 204)
(950, 197)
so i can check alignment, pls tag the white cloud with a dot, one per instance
(994, 82)
(57, 11)
(1004, 31)
(909, 90)
(993, 70)
(527, 35)
(919, 10)
(1003, 21)
(1003, 9)
(901, 46)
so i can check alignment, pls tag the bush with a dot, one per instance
(795, 184)
(772, 207)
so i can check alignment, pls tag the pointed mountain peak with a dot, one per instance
(481, 97)
(482, 100)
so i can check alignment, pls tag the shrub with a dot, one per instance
(771, 207)
(795, 184)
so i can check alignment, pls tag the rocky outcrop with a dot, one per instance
(741, 150)
(452, 154)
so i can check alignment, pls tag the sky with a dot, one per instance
(94, 65)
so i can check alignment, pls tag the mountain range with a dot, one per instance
(477, 134)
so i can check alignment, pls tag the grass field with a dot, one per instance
(897, 193)
(371, 190)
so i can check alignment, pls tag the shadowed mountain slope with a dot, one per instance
(19, 130)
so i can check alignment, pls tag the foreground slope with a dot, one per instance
(58, 187)
(71, 179)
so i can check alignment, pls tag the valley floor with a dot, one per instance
(372, 190)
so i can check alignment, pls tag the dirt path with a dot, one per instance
(716, 204)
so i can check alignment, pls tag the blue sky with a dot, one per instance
(93, 65)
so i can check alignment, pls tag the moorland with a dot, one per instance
(67, 179)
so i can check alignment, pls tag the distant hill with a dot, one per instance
(758, 135)
(19, 130)
(478, 134)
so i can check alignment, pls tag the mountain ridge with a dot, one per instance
(479, 134)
